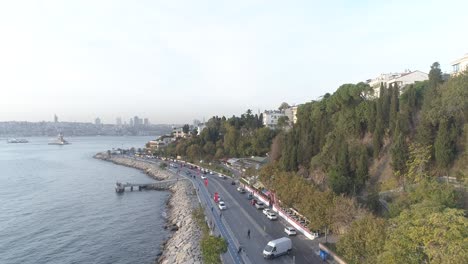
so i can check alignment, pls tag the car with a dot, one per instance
(240, 189)
(259, 205)
(250, 196)
(222, 205)
(291, 231)
(233, 183)
(266, 211)
(272, 216)
(211, 172)
(203, 177)
(220, 175)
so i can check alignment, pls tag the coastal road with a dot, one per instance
(241, 216)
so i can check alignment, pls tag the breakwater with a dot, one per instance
(183, 246)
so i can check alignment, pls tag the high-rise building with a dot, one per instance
(131, 122)
(118, 121)
(55, 118)
(137, 121)
(97, 121)
(146, 122)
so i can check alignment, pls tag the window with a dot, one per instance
(456, 67)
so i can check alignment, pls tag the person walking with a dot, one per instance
(248, 233)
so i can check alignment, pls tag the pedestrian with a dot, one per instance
(248, 233)
(211, 208)
(220, 214)
(239, 250)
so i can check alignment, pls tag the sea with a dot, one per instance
(58, 205)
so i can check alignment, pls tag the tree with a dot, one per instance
(377, 137)
(443, 146)
(435, 75)
(283, 121)
(399, 152)
(418, 161)
(186, 128)
(283, 106)
(340, 175)
(427, 233)
(394, 107)
(362, 170)
(364, 241)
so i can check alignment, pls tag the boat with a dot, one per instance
(119, 188)
(17, 140)
(59, 141)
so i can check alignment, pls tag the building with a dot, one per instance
(131, 122)
(55, 119)
(200, 128)
(97, 121)
(118, 121)
(179, 133)
(460, 65)
(409, 78)
(159, 143)
(291, 113)
(270, 118)
(402, 79)
(137, 121)
(146, 122)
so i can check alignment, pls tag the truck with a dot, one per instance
(277, 247)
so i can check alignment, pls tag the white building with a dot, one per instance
(200, 128)
(291, 113)
(409, 78)
(460, 65)
(270, 118)
(402, 79)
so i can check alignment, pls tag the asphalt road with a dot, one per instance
(241, 216)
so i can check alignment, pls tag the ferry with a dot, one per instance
(17, 140)
(59, 141)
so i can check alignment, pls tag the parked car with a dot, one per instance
(277, 247)
(203, 177)
(240, 189)
(272, 216)
(233, 183)
(291, 231)
(222, 205)
(260, 205)
(266, 211)
(250, 196)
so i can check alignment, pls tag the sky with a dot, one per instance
(175, 61)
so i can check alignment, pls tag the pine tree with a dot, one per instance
(443, 146)
(362, 170)
(394, 107)
(399, 152)
(377, 137)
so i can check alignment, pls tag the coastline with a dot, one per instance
(183, 244)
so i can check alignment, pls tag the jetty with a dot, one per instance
(160, 185)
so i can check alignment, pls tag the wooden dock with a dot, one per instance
(160, 185)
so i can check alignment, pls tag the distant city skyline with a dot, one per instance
(175, 61)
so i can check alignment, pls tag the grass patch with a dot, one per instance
(163, 166)
(212, 247)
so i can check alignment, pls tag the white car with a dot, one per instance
(211, 172)
(272, 216)
(260, 205)
(240, 189)
(203, 177)
(290, 231)
(266, 211)
(222, 205)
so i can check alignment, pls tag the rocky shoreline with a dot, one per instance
(183, 245)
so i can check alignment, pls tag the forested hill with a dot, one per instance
(342, 135)
(322, 168)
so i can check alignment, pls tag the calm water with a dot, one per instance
(58, 205)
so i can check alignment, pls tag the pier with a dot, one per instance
(161, 185)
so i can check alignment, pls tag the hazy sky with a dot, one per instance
(173, 61)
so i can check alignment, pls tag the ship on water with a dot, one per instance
(17, 140)
(59, 141)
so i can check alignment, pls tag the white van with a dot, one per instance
(277, 247)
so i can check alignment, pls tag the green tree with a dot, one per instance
(394, 106)
(399, 152)
(186, 128)
(341, 175)
(364, 241)
(444, 147)
(427, 233)
(435, 75)
(283, 106)
(418, 162)
(283, 121)
(362, 170)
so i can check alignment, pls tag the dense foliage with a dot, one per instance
(211, 246)
(233, 137)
